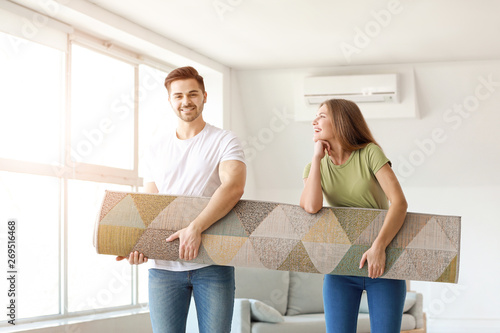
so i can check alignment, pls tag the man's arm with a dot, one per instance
(233, 176)
(136, 258)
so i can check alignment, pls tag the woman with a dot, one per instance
(350, 170)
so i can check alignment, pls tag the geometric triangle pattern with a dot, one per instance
(269, 228)
(325, 256)
(327, 230)
(298, 259)
(149, 206)
(280, 236)
(226, 226)
(125, 214)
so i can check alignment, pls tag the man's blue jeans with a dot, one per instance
(170, 295)
(342, 295)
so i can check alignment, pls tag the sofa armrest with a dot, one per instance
(241, 316)
(417, 311)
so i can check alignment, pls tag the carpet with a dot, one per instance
(280, 236)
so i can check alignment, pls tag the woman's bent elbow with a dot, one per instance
(310, 208)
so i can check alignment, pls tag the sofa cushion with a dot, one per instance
(268, 286)
(260, 311)
(410, 300)
(305, 294)
(300, 324)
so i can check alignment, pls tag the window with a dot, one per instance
(75, 120)
(56, 160)
(102, 109)
(155, 116)
(34, 201)
(32, 93)
(30, 127)
(94, 281)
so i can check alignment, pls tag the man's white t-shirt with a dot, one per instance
(189, 167)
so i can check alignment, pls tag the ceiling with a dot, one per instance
(265, 34)
(248, 34)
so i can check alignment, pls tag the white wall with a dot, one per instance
(453, 171)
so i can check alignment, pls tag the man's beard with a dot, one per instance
(189, 118)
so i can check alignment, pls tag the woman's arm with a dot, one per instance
(392, 223)
(311, 198)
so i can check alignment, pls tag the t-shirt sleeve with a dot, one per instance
(233, 150)
(307, 169)
(376, 157)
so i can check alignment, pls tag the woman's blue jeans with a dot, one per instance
(170, 294)
(342, 296)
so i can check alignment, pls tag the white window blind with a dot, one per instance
(30, 25)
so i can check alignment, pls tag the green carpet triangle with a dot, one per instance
(391, 256)
(298, 261)
(228, 225)
(349, 265)
(450, 273)
(354, 222)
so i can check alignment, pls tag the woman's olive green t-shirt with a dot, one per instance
(353, 184)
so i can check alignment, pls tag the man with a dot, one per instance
(197, 160)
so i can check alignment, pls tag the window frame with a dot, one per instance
(71, 170)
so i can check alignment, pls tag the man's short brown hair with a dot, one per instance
(184, 73)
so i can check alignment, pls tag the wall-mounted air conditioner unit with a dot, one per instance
(357, 88)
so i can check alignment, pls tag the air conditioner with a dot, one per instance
(357, 88)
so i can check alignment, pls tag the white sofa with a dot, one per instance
(269, 301)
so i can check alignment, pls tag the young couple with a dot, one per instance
(348, 169)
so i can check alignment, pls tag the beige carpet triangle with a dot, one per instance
(430, 264)
(117, 240)
(276, 225)
(452, 230)
(222, 249)
(246, 256)
(272, 251)
(124, 214)
(402, 269)
(110, 201)
(150, 205)
(324, 256)
(371, 231)
(300, 220)
(411, 227)
(179, 213)
(327, 230)
(432, 237)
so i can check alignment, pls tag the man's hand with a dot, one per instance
(189, 242)
(135, 258)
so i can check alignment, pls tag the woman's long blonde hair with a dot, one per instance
(349, 125)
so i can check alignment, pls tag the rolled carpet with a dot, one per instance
(280, 236)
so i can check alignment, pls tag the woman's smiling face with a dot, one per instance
(323, 125)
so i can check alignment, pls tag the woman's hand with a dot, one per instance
(319, 149)
(376, 261)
